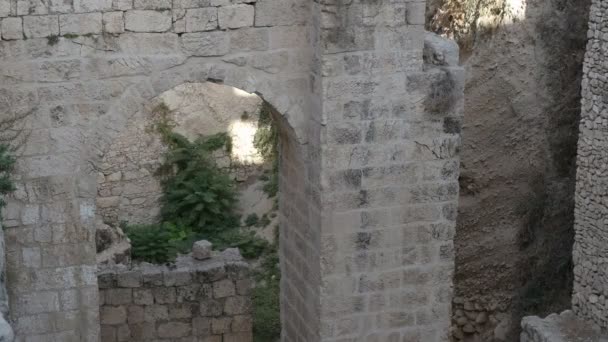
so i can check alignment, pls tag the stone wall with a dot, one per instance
(203, 300)
(589, 299)
(369, 150)
(565, 327)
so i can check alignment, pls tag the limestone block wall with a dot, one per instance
(84, 70)
(590, 293)
(369, 150)
(192, 300)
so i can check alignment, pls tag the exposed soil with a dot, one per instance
(522, 104)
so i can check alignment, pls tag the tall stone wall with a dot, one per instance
(369, 150)
(193, 301)
(589, 299)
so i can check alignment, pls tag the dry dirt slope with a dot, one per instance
(514, 233)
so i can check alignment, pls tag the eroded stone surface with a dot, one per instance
(591, 238)
(368, 173)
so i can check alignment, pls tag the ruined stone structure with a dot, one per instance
(202, 300)
(590, 290)
(591, 240)
(129, 190)
(369, 150)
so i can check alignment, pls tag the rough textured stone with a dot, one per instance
(40, 26)
(591, 239)
(236, 16)
(89, 23)
(113, 22)
(201, 19)
(201, 250)
(361, 160)
(148, 21)
(565, 327)
(12, 28)
(179, 307)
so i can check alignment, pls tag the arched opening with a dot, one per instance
(199, 162)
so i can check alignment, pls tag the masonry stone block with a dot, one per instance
(88, 23)
(5, 8)
(235, 16)
(113, 22)
(152, 4)
(113, 315)
(12, 28)
(40, 26)
(148, 21)
(143, 297)
(174, 330)
(205, 44)
(201, 19)
(92, 5)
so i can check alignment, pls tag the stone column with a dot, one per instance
(378, 264)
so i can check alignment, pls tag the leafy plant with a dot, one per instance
(266, 141)
(159, 243)
(197, 193)
(7, 162)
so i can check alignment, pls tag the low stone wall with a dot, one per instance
(565, 327)
(190, 300)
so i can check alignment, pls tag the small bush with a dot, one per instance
(252, 220)
(153, 243)
(197, 193)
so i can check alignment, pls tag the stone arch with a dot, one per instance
(299, 210)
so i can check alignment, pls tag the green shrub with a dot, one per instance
(197, 193)
(7, 162)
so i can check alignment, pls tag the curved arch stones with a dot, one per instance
(368, 169)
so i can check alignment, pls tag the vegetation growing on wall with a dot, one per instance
(466, 20)
(199, 202)
(266, 141)
(7, 161)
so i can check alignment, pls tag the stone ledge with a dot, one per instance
(565, 327)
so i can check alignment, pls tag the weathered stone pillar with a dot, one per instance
(378, 264)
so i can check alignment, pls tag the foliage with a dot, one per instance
(197, 193)
(266, 298)
(199, 201)
(252, 220)
(6, 165)
(158, 243)
(266, 141)
(250, 245)
(468, 20)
